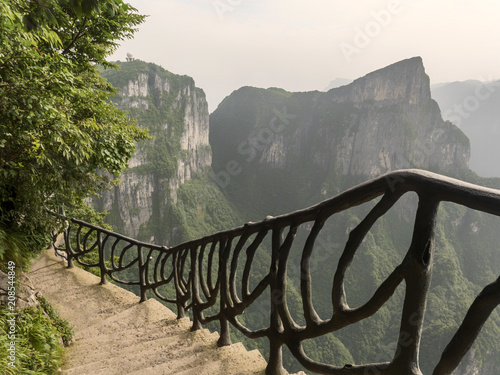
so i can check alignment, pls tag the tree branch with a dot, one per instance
(78, 35)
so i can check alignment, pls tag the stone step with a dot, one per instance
(156, 330)
(252, 361)
(76, 279)
(227, 360)
(76, 294)
(136, 316)
(183, 348)
(128, 344)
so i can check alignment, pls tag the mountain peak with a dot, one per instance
(404, 81)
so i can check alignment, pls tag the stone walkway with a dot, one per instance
(114, 334)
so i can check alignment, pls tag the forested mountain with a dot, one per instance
(269, 151)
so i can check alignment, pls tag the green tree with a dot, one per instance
(61, 140)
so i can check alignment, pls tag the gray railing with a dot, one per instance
(202, 275)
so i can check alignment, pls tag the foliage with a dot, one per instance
(330, 349)
(14, 246)
(60, 139)
(38, 351)
(61, 325)
(204, 210)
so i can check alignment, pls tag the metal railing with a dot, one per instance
(202, 275)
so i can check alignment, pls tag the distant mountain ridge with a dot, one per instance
(474, 106)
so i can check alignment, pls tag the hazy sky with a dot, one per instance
(302, 45)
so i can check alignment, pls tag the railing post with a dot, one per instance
(417, 279)
(224, 249)
(275, 362)
(102, 262)
(142, 274)
(225, 338)
(181, 311)
(194, 290)
(67, 245)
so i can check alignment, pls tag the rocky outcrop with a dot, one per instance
(194, 140)
(384, 121)
(176, 113)
(402, 82)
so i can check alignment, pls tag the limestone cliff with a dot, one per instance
(176, 113)
(413, 135)
(383, 121)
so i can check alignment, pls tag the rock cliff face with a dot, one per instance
(384, 121)
(176, 113)
(380, 122)
(412, 135)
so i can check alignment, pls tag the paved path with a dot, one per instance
(114, 334)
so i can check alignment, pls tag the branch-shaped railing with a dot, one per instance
(201, 275)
